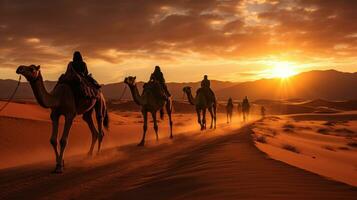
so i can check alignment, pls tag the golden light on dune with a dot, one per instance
(283, 70)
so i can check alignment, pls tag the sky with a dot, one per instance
(231, 40)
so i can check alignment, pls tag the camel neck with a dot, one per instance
(135, 94)
(190, 98)
(44, 98)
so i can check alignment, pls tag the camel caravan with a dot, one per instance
(78, 93)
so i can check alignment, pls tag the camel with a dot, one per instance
(229, 109)
(149, 101)
(245, 110)
(61, 101)
(201, 102)
(239, 109)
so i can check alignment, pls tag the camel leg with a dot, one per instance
(227, 118)
(55, 118)
(87, 117)
(145, 127)
(215, 115)
(98, 111)
(212, 119)
(199, 117)
(156, 128)
(168, 110)
(204, 118)
(230, 117)
(63, 142)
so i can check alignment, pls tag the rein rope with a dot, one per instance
(122, 95)
(12, 95)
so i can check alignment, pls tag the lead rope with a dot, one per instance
(12, 95)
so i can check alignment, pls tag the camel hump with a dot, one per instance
(207, 93)
(155, 88)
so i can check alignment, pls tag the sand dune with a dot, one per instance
(325, 144)
(25, 130)
(222, 164)
(214, 164)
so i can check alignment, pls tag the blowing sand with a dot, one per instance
(214, 164)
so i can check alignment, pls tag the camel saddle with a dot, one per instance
(83, 86)
(209, 94)
(156, 88)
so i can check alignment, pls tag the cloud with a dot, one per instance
(122, 31)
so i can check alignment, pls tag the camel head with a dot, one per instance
(31, 72)
(130, 80)
(187, 89)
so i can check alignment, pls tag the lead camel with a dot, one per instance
(61, 101)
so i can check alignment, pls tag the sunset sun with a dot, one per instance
(283, 70)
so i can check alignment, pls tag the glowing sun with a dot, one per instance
(283, 70)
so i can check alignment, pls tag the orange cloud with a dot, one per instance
(126, 35)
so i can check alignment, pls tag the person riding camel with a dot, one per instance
(78, 77)
(206, 85)
(158, 76)
(230, 101)
(78, 64)
(80, 67)
(245, 103)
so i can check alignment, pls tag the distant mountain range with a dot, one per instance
(328, 84)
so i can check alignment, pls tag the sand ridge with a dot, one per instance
(322, 143)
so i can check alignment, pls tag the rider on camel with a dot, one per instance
(206, 85)
(245, 102)
(230, 101)
(80, 67)
(83, 84)
(78, 64)
(157, 76)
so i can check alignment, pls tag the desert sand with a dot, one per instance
(213, 164)
(325, 144)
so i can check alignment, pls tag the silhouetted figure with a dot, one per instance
(78, 64)
(239, 109)
(80, 67)
(262, 111)
(205, 82)
(206, 87)
(229, 109)
(82, 83)
(158, 76)
(245, 108)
